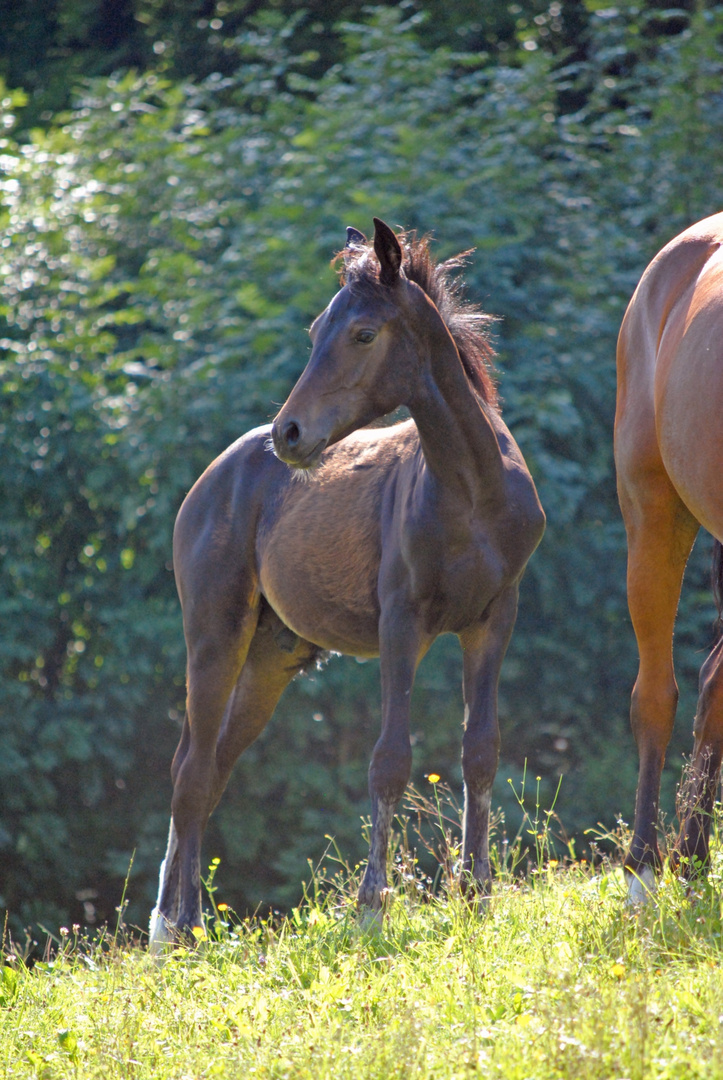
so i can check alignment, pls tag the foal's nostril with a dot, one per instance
(291, 433)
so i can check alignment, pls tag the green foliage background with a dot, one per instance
(164, 243)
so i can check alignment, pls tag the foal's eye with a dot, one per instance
(365, 336)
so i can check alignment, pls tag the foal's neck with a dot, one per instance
(455, 428)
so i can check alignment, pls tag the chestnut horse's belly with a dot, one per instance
(689, 412)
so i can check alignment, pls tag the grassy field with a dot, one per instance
(556, 978)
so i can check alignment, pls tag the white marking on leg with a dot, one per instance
(160, 931)
(642, 886)
(160, 935)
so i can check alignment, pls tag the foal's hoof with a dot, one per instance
(642, 886)
(476, 900)
(370, 920)
(161, 934)
(373, 904)
(476, 889)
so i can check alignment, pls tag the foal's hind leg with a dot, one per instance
(484, 648)
(661, 532)
(216, 655)
(698, 797)
(274, 657)
(165, 913)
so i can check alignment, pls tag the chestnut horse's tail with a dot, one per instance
(717, 583)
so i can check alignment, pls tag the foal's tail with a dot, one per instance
(717, 583)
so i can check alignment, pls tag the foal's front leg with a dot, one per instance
(391, 764)
(484, 647)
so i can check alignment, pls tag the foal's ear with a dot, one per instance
(388, 252)
(354, 238)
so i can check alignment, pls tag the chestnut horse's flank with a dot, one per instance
(400, 534)
(669, 457)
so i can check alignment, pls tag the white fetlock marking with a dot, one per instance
(161, 876)
(159, 933)
(171, 848)
(641, 886)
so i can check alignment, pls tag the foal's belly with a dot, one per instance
(300, 598)
(319, 566)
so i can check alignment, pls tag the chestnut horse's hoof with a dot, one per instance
(642, 885)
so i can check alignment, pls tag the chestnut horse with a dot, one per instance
(398, 535)
(669, 457)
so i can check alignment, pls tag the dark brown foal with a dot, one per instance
(398, 535)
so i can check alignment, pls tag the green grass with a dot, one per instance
(555, 978)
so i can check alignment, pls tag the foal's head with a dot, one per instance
(366, 344)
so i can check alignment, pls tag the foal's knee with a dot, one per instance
(480, 757)
(390, 769)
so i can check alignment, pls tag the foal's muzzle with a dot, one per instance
(291, 446)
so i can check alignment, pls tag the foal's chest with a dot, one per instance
(453, 574)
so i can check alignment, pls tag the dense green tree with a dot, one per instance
(48, 49)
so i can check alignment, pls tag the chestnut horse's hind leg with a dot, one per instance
(275, 655)
(699, 792)
(661, 532)
(484, 648)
